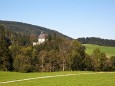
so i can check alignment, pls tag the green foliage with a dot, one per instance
(99, 60)
(5, 55)
(97, 41)
(28, 29)
(78, 54)
(57, 53)
(112, 59)
(87, 63)
(22, 63)
(108, 50)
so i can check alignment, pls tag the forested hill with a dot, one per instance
(28, 29)
(55, 54)
(97, 41)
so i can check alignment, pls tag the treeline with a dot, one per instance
(28, 29)
(97, 41)
(56, 54)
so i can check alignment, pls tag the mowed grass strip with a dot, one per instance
(8, 76)
(85, 79)
(109, 51)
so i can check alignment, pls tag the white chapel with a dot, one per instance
(41, 39)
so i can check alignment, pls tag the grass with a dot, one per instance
(98, 79)
(110, 51)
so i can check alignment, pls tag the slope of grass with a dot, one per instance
(110, 51)
(98, 79)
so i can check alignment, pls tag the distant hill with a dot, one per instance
(97, 41)
(110, 51)
(28, 29)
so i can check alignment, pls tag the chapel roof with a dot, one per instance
(42, 36)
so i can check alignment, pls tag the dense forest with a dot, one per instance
(58, 53)
(29, 29)
(97, 41)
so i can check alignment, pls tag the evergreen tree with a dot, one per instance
(5, 55)
(78, 54)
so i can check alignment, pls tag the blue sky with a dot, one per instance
(75, 18)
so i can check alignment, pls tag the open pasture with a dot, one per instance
(69, 78)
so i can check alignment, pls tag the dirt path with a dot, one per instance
(42, 77)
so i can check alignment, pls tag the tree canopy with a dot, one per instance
(55, 54)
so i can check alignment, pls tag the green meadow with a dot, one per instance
(110, 51)
(80, 79)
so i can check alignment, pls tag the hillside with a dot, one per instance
(97, 41)
(56, 54)
(28, 29)
(110, 51)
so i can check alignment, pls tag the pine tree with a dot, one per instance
(5, 55)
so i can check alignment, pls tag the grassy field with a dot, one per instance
(80, 79)
(110, 51)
